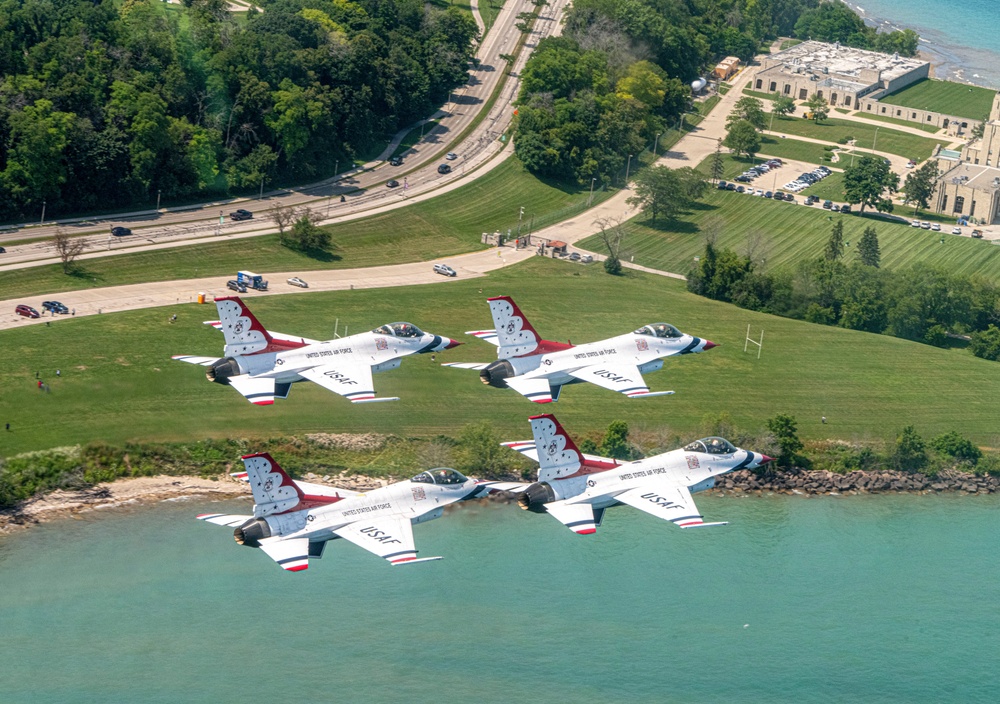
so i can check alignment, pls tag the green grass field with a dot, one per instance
(792, 233)
(794, 149)
(449, 224)
(789, 43)
(833, 129)
(931, 129)
(119, 384)
(829, 188)
(945, 97)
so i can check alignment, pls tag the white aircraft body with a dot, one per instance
(262, 365)
(576, 489)
(292, 521)
(538, 368)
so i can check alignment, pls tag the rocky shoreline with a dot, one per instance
(858, 482)
(147, 490)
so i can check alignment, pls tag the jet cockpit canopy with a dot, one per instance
(442, 475)
(711, 446)
(399, 330)
(659, 330)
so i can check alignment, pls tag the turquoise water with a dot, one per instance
(960, 35)
(874, 599)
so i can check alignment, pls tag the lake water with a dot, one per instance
(832, 599)
(960, 36)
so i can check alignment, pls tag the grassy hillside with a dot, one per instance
(835, 130)
(945, 97)
(791, 233)
(119, 384)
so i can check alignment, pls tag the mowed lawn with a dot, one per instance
(834, 130)
(119, 384)
(449, 224)
(945, 97)
(791, 233)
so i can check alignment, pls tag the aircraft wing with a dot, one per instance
(291, 554)
(534, 389)
(671, 503)
(390, 537)
(579, 518)
(486, 335)
(352, 381)
(468, 365)
(623, 378)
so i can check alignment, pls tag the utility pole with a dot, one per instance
(519, 218)
(42, 221)
(260, 196)
(656, 144)
(158, 192)
(874, 139)
(629, 164)
(591, 199)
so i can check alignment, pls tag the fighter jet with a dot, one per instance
(538, 369)
(576, 489)
(292, 520)
(262, 365)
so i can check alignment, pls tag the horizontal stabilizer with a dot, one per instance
(224, 519)
(485, 335)
(467, 365)
(487, 487)
(191, 359)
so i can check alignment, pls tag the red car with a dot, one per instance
(27, 311)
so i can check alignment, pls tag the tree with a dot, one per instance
(660, 189)
(742, 138)
(954, 445)
(985, 344)
(68, 248)
(869, 181)
(920, 184)
(785, 432)
(718, 165)
(306, 235)
(35, 163)
(835, 245)
(868, 249)
(283, 216)
(480, 451)
(909, 454)
(782, 104)
(615, 443)
(748, 109)
(818, 106)
(613, 236)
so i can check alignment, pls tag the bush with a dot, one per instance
(954, 445)
(613, 266)
(909, 454)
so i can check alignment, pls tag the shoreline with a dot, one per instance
(140, 491)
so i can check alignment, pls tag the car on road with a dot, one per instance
(910, 164)
(392, 183)
(574, 256)
(26, 311)
(956, 230)
(587, 259)
(396, 161)
(978, 234)
(936, 227)
(2, 250)
(730, 186)
(827, 205)
(740, 189)
(451, 156)
(835, 208)
(845, 208)
(444, 169)
(768, 194)
(444, 270)
(296, 281)
(120, 231)
(55, 307)
(722, 185)
(235, 285)
(240, 214)
(925, 225)
(760, 192)
(811, 199)
(915, 223)
(743, 178)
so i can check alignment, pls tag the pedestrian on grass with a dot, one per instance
(822, 419)
(8, 427)
(36, 373)
(39, 384)
(58, 372)
(46, 387)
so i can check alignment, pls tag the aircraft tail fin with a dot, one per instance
(515, 335)
(243, 332)
(273, 490)
(558, 455)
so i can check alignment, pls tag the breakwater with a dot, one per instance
(857, 482)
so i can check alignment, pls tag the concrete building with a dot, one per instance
(969, 185)
(840, 74)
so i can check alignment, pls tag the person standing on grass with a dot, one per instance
(58, 373)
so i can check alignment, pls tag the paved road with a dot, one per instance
(363, 188)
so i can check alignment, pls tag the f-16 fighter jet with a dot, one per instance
(262, 365)
(292, 521)
(576, 488)
(538, 369)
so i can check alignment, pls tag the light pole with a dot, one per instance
(591, 199)
(519, 218)
(42, 221)
(260, 196)
(629, 164)
(336, 169)
(158, 192)
(656, 144)
(874, 139)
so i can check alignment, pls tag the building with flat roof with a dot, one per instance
(969, 185)
(841, 74)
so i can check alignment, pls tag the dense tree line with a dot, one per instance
(106, 103)
(620, 75)
(921, 303)
(833, 21)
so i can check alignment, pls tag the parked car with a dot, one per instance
(55, 307)
(740, 189)
(978, 234)
(2, 250)
(743, 178)
(956, 230)
(587, 259)
(120, 231)
(26, 311)
(444, 270)
(925, 225)
(811, 199)
(296, 281)
(444, 169)
(936, 227)
(730, 186)
(845, 208)
(392, 183)
(915, 223)
(396, 161)
(451, 156)
(827, 205)
(760, 192)
(835, 208)
(910, 164)
(824, 170)
(235, 285)
(722, 185)
(768, 194)
(240, 214)
(574, 256)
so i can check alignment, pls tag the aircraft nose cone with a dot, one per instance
(708, 345)
(764, 459)
(452, 343)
